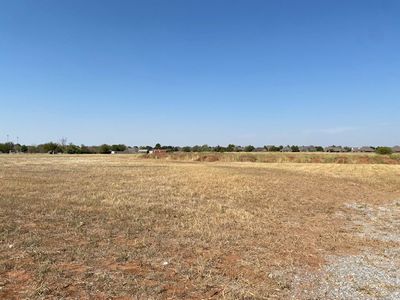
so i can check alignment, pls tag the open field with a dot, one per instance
(126, 227)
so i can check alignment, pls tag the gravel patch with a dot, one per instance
(372, 274)
(377, 222)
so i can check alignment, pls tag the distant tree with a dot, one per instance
(272, 148)
(24, 148)
(50, 147)
(319, 149)
(72, 149)
(238, 148)
(17, 147)
(205, 148)
(231, 148)
(85, 149)
(157, 146)
(295, 148)
(249, 148)
(105, 149)
(6, 147)
(119, 147)
(347, 149)
(10, 146)
(219, 149)
(384, 150)
(196, 148)
(146, 147)
(186, 149)
(168, 148)
(33, 149)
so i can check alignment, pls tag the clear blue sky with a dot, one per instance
(194, 72)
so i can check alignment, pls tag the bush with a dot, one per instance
(219, 149)
(6, 147)
(249, 148)
(120, 147)
(72, 149)
(295, 148)
(231, 148)
(105, 149)
(384, 150)
(272, 148)
(50, 147)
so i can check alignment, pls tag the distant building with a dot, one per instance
(159, 151)
(239, 149)
(396, 149)
(334, 149)
(260, 149)
(307, 149)
(366, 149)
(131, 150)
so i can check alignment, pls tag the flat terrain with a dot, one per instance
(125, 227)
(282, 157)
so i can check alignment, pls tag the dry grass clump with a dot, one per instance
(120, 226)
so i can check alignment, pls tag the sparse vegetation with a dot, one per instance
(278, 157)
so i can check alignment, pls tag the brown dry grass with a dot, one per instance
(278, 157)
(122, 227)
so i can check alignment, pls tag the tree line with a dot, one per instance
(71, 148)
(52, 147)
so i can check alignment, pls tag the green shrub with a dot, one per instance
(384, 150)
(249, 148)
(105, 149)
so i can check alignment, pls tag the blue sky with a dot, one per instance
(195, 72)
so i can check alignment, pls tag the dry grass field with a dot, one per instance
(279, 157)
(125, 227)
